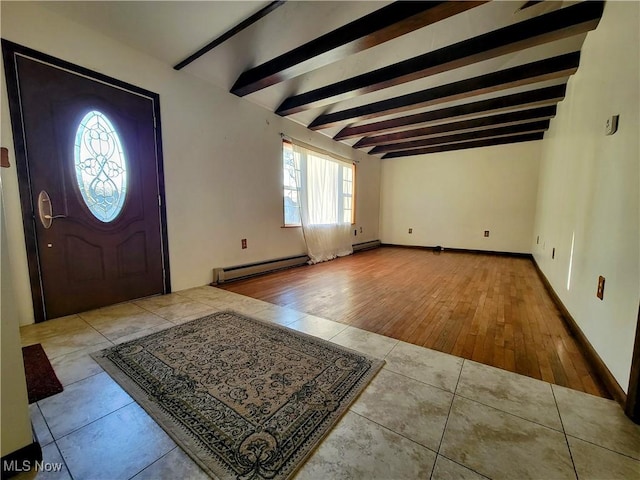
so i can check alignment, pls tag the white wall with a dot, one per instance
(222, 158)
(15, 423)
(451, 198)
(589, 190)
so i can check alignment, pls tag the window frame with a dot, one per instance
(341, 196)
(285, 188)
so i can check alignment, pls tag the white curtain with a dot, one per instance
(326, 234)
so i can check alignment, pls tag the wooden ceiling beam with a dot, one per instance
(475, 124)
(563, 23)
(378, 27)
(527, 137)
(542, 70)
(522, 128)
(229, 33)
(531, 98)
(530, 3)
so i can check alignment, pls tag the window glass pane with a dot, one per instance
(347, 192)
(291, 207)
(290, 168)
(101, 169)
(291, 177)
(291, 215)
(293, 195)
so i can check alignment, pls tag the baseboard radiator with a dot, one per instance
(358, 247)
(222, 275)
(227, 274)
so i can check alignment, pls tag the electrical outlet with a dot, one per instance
(600, 292)
(486, 233)
(244, 243)
(611, 126)
(4, 158)
(411, 230)
(355, 232)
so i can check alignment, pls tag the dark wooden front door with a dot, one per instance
(94, 187)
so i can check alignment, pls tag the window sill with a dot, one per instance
(300, 226)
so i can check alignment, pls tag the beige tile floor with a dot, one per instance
(426, 415)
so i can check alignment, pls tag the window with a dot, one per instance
(101, 171)
(325, 182)
(346, 194)
(291, 169)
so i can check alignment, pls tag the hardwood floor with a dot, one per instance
(487, 308)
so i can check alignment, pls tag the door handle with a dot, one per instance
(45, 210)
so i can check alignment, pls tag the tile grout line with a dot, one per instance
(77, 350)
(64, 460)
(65, 334)
(154, 462)
(331, 338)
(464, 466)
(604, 448)
(154, 313)
(391, 349)
(53, 440)
(389, 369)
(390, 430)
(95, 420)
(173, 321)
(99, 332)
(415, 379)
(88, 376)
(509, 413)
(444, 430)
(133, 303)
(564, 432)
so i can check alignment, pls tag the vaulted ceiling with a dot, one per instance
(392, 78)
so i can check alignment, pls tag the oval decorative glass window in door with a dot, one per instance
(101, 168)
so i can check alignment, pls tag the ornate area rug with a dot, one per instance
(244, 398)
(42, 381)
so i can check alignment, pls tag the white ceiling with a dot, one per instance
(171, 31)
(168, 31)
